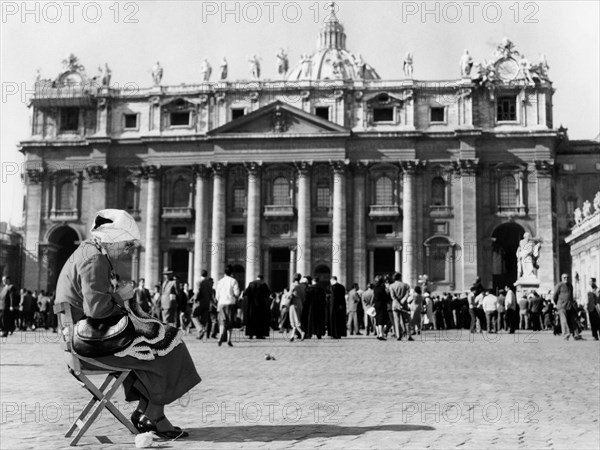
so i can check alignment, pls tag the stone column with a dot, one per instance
(135, 265)
(546, 271)
(152, 244)
(31, 242)
(371, 265)
(96, 176)
(293, 271)
(217, 255)
(338, 257)
(190, 278)
(466, 171)
(359, 232)
(200, 235)
(409, 232)
(253, 220)
(398, 258)
(304, 220)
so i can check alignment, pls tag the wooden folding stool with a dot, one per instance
(101, 396)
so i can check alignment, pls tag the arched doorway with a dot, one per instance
(504, 254)
(64, 242)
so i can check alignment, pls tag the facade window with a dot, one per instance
(437, 114)
(129, 195)
(507, 109)
(322, 112)
(239, 198)
(438, 191)
(281, 191)
(236, 113)
(237, 229)
(65, 196)
(69, 119)
(438, 258)
(179, 231)
(131, 121)
(322, 228)
(384, 228)
(384, 191)
(180, 119)
(383, 114)
(181, 193)
(508, 192)
(323, 195)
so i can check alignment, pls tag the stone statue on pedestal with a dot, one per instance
(282, 62)
(527, 256)
(586, 209)
(578, 215)
(254, 67)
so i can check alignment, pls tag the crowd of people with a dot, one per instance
(386, 307)
(25, 309)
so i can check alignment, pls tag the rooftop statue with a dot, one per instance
(254, 67)
(157, 73)
(282, 62)
(205, 70)
(408, 65)
(466, 64)
(223, 69)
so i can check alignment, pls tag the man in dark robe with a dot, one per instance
(8, 296)
(203, 299)
(337, 310)
(257, 312)
(316, 305)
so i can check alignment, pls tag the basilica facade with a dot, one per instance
(329, 170)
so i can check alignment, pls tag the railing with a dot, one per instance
(384, 211)
(177, 212)
(440, 210)
(279, 211)
(63, 215)
(511, 210)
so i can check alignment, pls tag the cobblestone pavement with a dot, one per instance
(457, 391)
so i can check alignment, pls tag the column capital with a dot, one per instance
(544, 168)
(219, 169)
(360, 167)
(35, 176)
(412, 166)
(253, 168)
(303, 167)
(150, 172)
(339, 167)
(465, 167)
(200, 170)
(96, 173)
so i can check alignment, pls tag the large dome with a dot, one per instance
(331, 60)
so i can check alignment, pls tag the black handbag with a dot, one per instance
(102, 337)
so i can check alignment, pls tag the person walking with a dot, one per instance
(489, 307)
(567, 308)
(168, 298)
(510, 302)
(380, 302)
(257, 308)
(399, 292)
(337, 310)
(143, 297)
(593, 308)
(415, 303)
(352, 310)
(202, 301)
(524, 313)
(297, 294)
(227, 294)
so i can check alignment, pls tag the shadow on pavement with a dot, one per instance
(268, 433)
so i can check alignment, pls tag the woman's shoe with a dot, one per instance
(135, 419)
(145, 424)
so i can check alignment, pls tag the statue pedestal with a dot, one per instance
(526, 285)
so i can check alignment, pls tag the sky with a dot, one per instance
(132, 36)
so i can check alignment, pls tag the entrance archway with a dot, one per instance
(504, 254)
(65, 241)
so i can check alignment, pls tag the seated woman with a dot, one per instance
(162, 368)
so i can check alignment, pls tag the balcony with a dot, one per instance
(64, 215)
(279, 212)
(384, 212)
(440, 211)
(510, 211)
(177, 212)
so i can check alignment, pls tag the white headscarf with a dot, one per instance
(115, 225)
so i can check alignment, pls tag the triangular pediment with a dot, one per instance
(278, 119)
